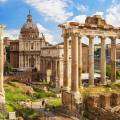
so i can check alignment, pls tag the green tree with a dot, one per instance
(108, 72)
(7, 68)
(7, 53)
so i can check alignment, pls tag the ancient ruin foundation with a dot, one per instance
(94, 26)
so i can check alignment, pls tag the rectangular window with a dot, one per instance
(32, 45)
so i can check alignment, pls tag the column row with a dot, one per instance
(76, 55)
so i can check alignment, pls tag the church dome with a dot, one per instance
(29, 30)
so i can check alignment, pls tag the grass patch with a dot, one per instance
(55, 102)
(96, 90)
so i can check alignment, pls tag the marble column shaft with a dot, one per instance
(1, 65)
(113, 59)
(2, 100)
(91, 60)
(103, 60)
(74, 54)
(80, 60)
(66, 63)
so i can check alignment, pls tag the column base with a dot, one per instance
(91, 85)
(66, 89)
(77, 98)
(2, 102)
(103, 83)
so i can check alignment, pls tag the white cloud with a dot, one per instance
(12, 33)
(113, 15)
(54, 10)
(79, 18)
(99, 13)
(3, 1)
(82, 8)
(48, 35)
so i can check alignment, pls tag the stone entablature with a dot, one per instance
(52, 51)
(92, 27)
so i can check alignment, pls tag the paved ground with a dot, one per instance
(37, 106)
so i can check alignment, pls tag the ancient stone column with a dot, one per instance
(91, 61)
(103, 60)
(2, 99)
(113, 59)
(56, 74)
(80, 60)
(66, 63)
(74, 72)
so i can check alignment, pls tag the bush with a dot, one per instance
(2, 117)
(7, 68)
(108, 72)
(42, 94)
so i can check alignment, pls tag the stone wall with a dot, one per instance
(102, 107)
(24, 77)
(99, 107)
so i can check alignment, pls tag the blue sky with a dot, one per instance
(47, 14)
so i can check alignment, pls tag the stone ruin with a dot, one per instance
(71, 97)
(102, 107)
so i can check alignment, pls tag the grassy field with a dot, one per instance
(96, 90)
(16, 92)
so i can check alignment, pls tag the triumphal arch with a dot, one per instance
(93, 26)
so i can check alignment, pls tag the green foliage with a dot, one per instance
(117, 74)
(108, 72)
(2, 117)
(15, 94)
(55, 102)
(37, 89)
(97, 52)
(43, 94)
(7, 53)
(7, 67)
(27, 113)
(10, 107)
(40, 93)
